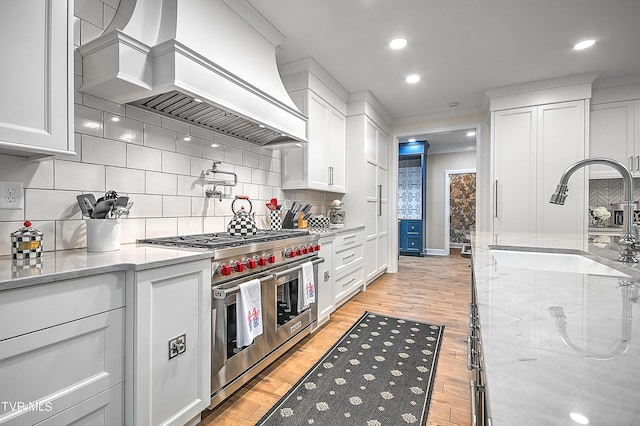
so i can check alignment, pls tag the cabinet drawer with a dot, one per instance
(104, 409)
(414, 227)
(61, 366)
(414, 244)
(348, 283)
(348, 238)
(347, 256)
(28, 309)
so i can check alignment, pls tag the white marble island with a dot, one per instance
(559, 347)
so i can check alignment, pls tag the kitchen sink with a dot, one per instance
(551, 261)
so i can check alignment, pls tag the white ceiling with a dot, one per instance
(460, 48)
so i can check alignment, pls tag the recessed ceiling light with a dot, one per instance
(579, 418)
(412, 140)
(584, 44)
(471, 133)
(413, 78)
(398, 43)
(186, 138)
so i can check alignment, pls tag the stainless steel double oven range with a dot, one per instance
(276, 259)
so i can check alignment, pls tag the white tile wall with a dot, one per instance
(142, 155)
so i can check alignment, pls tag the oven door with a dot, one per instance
(283, 319)
(227, 361)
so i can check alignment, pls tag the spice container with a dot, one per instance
(26, 243)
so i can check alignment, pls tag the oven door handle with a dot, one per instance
(223, 293)
(295, 268)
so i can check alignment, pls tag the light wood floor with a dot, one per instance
(433, 289)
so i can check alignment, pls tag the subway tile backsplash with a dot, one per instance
(157, 161)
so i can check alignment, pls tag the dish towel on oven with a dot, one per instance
(248, 313)
(306, 287)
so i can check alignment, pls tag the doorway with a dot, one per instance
(460, 207)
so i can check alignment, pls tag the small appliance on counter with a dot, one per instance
(336, 214)
(618, 209)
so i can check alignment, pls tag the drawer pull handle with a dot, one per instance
(350, 236)
(348, 282)
(348, 257)
(470, 353)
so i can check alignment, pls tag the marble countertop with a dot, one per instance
(67, 264)
(557, 343)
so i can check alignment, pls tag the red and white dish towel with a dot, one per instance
(248, 313)
(306, 287)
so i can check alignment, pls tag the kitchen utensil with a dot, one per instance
(274, 201)
(243, 223)
(271, 206)
(86, 203)
(287, 222)
(102, 208)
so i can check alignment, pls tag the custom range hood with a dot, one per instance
(207, 62)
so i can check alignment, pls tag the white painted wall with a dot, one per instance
(436, 166)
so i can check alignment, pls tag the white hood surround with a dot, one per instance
(209, 62)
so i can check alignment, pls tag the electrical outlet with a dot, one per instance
(11, 195)
(177, 345)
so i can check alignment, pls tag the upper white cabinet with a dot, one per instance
(320, 164)
(615, 134)
(367, 200)
(532, 147)
(37, 77)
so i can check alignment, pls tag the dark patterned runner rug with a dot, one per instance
(380, 372)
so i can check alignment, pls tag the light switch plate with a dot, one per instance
(11, 195)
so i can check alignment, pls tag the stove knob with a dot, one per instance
(317, 247)
(299, 251)
(305, 250)
(262, 260)
(224, 269)
(238, 266)
(271, 258)
(290, 253)
(251, 263)
(311, 248)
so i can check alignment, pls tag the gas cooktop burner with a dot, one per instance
(219, 240)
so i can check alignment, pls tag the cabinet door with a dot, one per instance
(337, 151)
(612, 136)
(170, 302)
(561, 143)
(325, 302)
(36, 83)
(318, 147)
(514, 187)
(61, 366)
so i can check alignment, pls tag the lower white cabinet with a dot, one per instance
(63, 346)
(325, 302)
(348, 255)
(103, 409)
(169, 349)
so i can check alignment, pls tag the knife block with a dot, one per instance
(103, 235)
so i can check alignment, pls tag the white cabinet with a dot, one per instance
(366, 202)
(615, 134)
(348, 265)
(164, 385)
(320, 164)
(62, 350)
(325, 302)
(37, 77)
(532, 147)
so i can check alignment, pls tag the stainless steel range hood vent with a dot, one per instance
(195, 111)
(167, 56)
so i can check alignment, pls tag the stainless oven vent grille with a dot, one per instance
(186, 108)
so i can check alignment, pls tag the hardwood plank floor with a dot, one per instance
(434, 289)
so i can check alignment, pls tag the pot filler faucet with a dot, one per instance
(627, 242)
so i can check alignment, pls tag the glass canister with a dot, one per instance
(26, 242)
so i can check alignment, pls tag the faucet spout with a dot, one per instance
(627, 242)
